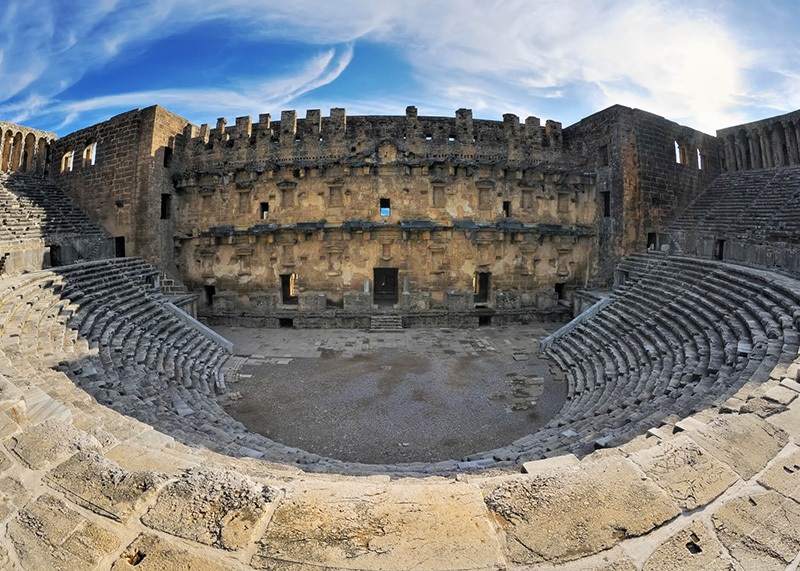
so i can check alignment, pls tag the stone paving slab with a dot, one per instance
(149, 552)
(50, 442)
(744, 442)
(784, 476)
(397, 526)
(760, 530)
(13, 495)
(47, 534)
(694, 548)
(99, 485)
(213, 507)
(569, 513)
(689, 474)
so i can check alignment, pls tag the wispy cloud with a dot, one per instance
(692, 61)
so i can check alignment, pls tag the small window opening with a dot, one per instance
(286, 322)
(119, 246)
(719, 249)
(55, 255)
(66, 162)
(385, 205)
(652, 241)
(210, 292)
(484, 320)
(167, 157)
(602, 156)
(506, 209)
(428, 138)
(606, 203)
(699, 160)
(560, 290)
(289, 289)
(166, 206)
(263, 210)
(677, 153)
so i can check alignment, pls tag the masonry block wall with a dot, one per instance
(116, 170)
(648, 170)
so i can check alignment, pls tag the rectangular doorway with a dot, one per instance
(119, 246)
(480, 286)
(289, 289)
(719, 249)
(55, 256)
(385, 286)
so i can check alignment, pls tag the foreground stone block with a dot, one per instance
(784, 476)
(151, 553)
(50, 442)
(745, 442)
(13, 495)
(213, 507)
(395, 526)
(689, 474)
(760, 530)
(48, 535)
(693, 548)
(103, 487)
(574, 512)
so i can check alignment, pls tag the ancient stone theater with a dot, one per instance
(663, 260)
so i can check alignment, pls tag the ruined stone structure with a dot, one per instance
(677, 447)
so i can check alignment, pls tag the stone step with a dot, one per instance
(386, 323)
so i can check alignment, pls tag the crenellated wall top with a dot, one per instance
(337, 137)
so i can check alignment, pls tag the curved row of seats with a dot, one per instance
(680, 335)
(33, 208)
(759, 205)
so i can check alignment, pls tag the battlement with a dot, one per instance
(337, 137)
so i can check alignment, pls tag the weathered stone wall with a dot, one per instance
(767, 143)
(643, 180)
(118, 174)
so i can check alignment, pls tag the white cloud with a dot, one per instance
(679, 59)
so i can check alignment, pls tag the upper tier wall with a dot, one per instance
(322, 139)
(767, 143)
(24, 149)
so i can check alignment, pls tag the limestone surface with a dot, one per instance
(214, 507)
(49, 535)
(152, 553)
(573, 512)
(687, 472)
(744, 442)
(760, 530)
(99, 485)
(784, 476)
(50, 442)
(397, 526)
(694, 548)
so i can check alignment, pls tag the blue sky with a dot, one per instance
(705, 63)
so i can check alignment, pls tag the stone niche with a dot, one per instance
(459, 300)
(263, 303)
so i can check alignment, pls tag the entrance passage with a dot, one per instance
(385, 286)
(480, 286)
(719, 250)
(289, 289)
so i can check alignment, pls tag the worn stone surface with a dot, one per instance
(760, 530)
(213, 507)
(152, 553)
(50, 442)
(566, 514)
(689, 474)
(395, 526)
(745, 442)
(13, 496)
(101, 486)
(784, 476)
(48, 535)
(694, 548)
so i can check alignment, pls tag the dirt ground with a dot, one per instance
(392, 404)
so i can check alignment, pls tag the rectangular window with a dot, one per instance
(699, 160)
(484, 197)
(386, 208)
(167, 157)
(287, 197)
(263, 210)
(166, 206)
(677, 153)
(606, 203)
(506, 209)
(602, 156)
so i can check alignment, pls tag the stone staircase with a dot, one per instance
(386, 323)
(171, 286)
